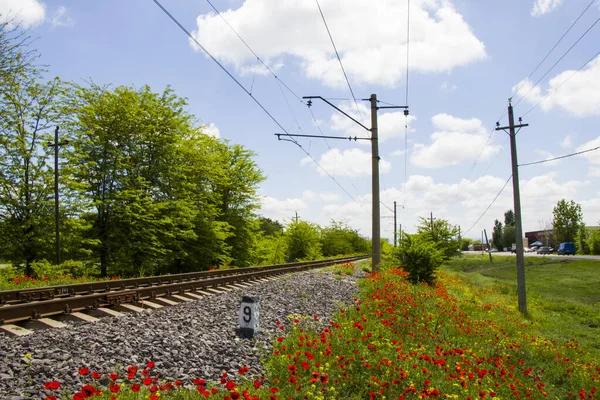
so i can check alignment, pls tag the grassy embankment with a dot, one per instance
(461, 339)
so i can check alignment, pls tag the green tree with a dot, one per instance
(269, 226)
(509, 218)
(509, 236)
(302, 241)
(29, 111)
(149, 177)
(339, 239)
(420, 257)
(593, 241)
(567, 221)
(441, 233)
(497, 235)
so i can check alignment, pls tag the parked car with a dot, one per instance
(545, 250)
(567, 248)
(528, 250)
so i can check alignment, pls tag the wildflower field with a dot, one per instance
(455, 340)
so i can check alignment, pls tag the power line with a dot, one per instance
(339, 59)
(249, 94)
(252, 51)
(554, 47)
(488, 207)
(559, 60)
(558, 158)
(559, 86)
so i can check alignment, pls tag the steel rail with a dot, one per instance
(90, 300)
(59, 291)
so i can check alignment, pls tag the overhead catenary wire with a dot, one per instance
(254, 53)
(560, 157)
(562, 83)
(488, 207)
(262, 107)
(553, 47)
(337, 54)
(557, 61)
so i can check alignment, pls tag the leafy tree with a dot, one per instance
(567, 221)
(271, 249)
(238, 201)
(269, 227)
(497, 235)
(509, 218)
(302, 241)
(593, 241)
(420, 257)
(441, 233)
(339, 239)
(509, 236)
(583, 235)
(29, 111)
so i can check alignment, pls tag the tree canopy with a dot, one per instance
(567, 221)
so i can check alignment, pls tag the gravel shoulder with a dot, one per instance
(190, 340)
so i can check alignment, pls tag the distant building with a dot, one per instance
(546, 236)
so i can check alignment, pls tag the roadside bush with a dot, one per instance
(419, 257)
(593, 241)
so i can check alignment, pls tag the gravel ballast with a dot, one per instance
(190, 340)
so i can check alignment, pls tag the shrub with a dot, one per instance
(419, 257)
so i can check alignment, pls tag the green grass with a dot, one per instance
(563, 295)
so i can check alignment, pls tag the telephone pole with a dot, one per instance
(376, 222)
(56, 145)
(395, 224)
(517, 203)
(296, 217)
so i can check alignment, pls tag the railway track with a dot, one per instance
(37, 303)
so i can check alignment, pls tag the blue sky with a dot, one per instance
(466, 59)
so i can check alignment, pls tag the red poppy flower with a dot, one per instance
(115, 388)
(153, 397)
(316, 316)
(230, 385)
(178, 382)
(243, 370)
(130, 376)
(113, 377)
(273, 397)
(145, 372)
(96, 375)
(150, 364)
(135, 388)
(84, 371)
(274, 390)
(52, 385)
(324, 378)
(199, 382)
(78, 396)
(257, 384)
(147, 381)
(292, 368)
(235, 396)
(50, 398)
(213, 391)
(304, 365)
(132, 369)
(153, 388)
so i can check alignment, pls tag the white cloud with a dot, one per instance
(576, 93)
(211, 130)
(352, 163)
(455, 141)
(27, 13)
(280, 209)
(390, 125)
(61, 18)
(448, 87)
(369, 37)
(567, 142)
(541, 7)
(309, 195)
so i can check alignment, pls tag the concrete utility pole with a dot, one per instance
(296, 217)
(459, 243)
(517, 200)
(488, 246)
(376, 223)
(395, 232)
(56, 145)
(376, 231)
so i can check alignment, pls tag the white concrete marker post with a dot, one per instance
(248, 317)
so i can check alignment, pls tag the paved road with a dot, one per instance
(508, 253)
